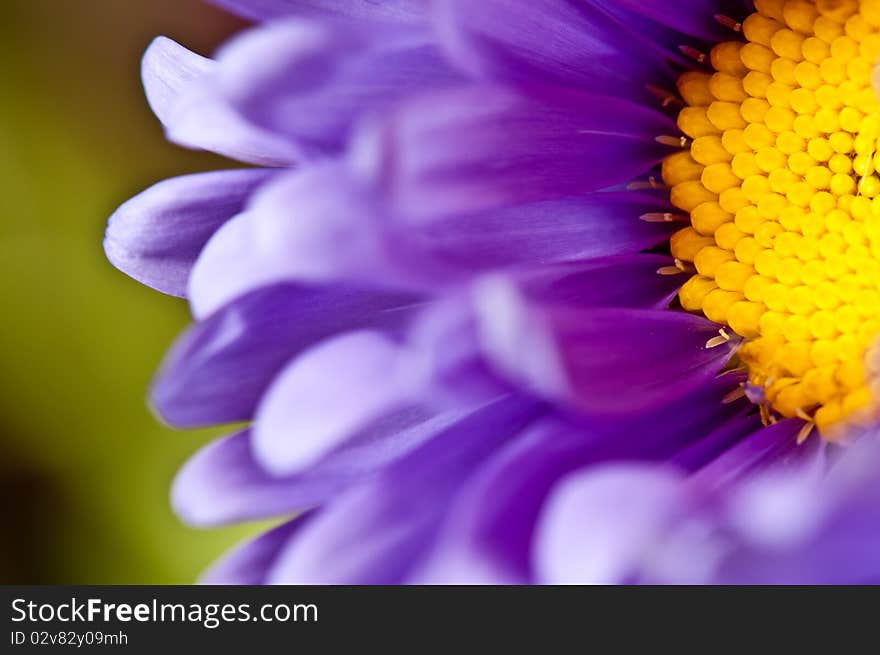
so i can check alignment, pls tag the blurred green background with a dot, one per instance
(85, 469)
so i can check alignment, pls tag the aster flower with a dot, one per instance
(522, 241)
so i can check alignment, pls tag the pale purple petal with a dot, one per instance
(797, 527)
(218, 371)
(250, 562)
(223, 482)
(326, 235)
(183, 94)
(799, 524)
(489, 535)
(377, 531)
(310, 81)
(598, 527)
(156, 236)
(320, 224)
(329, 393)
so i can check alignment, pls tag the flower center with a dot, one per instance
(782, 187)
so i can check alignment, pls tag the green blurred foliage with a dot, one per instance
(85, 468)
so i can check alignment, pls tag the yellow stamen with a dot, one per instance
(781, 179)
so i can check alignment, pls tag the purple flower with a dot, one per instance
(525, 292)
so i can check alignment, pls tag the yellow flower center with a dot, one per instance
(782, 187)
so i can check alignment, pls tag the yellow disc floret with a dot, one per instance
(782, 184)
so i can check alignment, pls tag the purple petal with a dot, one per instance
(223, 482)
(797, 528)
(455, 337)
(320, 224)
(156, 236)
(168, 70)
(311, 80)
(376, 532)
(790, 520)
(593, 225)
(311, 227)
(619, 281)
(218, 371)
(556, 41)
(250, 562)
(603, 361)
(383, 10)
(327, 394)
(483, 147)
(693, 17)
(779, 524)
(773, 445)
(182, 92)
(489, 535)
(599, 525)
(703, 452)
